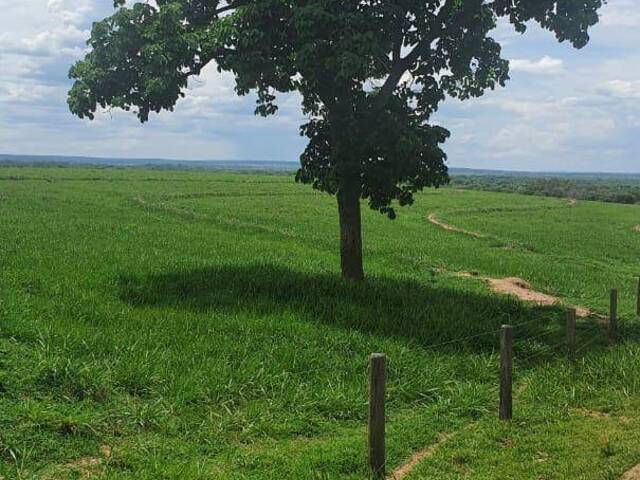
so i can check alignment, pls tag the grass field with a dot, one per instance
(192, 325)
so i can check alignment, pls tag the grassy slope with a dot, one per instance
(194, 323)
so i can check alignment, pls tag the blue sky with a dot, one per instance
(563, 110)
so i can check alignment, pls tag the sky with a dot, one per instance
(562, 110)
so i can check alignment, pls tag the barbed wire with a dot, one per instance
(463, 339)
(538, 336)
(589, 343)
(545, 351)
(498, 330)
(552, 348)
(534, 320)
(591, 330)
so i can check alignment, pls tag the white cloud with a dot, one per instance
(621, 13)
(66, 41)
(71, 11)
(17, 66)
(545, 66)
(28, 92)
(625, 89)
(546, 125)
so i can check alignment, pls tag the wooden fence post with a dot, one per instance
(506, 369)
(613, 316)
(571, 334)
(376, 415)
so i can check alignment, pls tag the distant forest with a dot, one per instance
(605, 188)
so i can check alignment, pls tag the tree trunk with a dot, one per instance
(350, 233)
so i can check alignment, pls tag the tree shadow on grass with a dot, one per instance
(423, 314)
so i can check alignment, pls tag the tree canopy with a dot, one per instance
(370, 73)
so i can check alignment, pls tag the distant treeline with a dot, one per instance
(615, 189)
(270, 168)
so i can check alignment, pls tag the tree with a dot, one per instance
(370, 74)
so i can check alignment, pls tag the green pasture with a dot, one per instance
(193, 325)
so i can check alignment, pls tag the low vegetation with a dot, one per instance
(193, 325)
(603, 188)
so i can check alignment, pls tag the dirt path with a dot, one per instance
(516, 287)
(633, 474)
(402, 471)
(433, 218)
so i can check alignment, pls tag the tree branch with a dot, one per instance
(231, 6)
(398, 41)
(404, 64)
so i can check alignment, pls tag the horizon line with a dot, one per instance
(5, 156)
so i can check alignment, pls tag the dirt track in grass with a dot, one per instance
(433, 218)
(633, 474)
(514, 286)
(519, 288)
(402, 471)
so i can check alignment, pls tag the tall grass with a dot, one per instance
(196, 324)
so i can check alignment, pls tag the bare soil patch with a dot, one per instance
(598, 415)
(87, 467)
(633, 474)
(519, 288)
(636, 228)
(590, 413)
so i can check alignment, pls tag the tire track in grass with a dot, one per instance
(188, 196)
(407, 468)
(513, 286)
(433, 219)
(220, 221)
(194, 215)
(404, 470)
(506, 245)
(509, 286)
(615, 423)
(514, 245)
